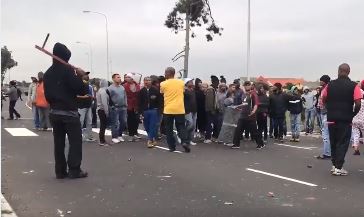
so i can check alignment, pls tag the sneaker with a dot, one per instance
(137, 137)
(81, 174)
(356, 152)
(178, 140)
(340, 172)
(121, 139)
(150, 144)
(259, 147)
(292, 140)
(235, 147)
(172, 149)
(207, 141)
(214, 140)
(323, 157)
(332, 169)
(104, 144)
(62, 175)
(281, 140)
(115, 140)
(297, 140)
(193, 143)
(229, 144)
(90, 140)
(186, 148)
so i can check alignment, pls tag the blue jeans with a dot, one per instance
(86, 119)
(150, 123)
(35, 112)
(118, 121)
(190, 125)
(295, 125)
(325, 135)
(310, 119)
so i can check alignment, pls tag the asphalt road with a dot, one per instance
(128, 179)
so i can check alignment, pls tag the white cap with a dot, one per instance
(186, 80)
(306, 88)
(130, 75)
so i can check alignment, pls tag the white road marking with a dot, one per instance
(282, 177)
(160, 147)
(97, 130)
(20, 132)
(6, 209)
(293, 146)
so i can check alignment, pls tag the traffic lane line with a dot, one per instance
(293, 146)
(282, 177)
(20, 132)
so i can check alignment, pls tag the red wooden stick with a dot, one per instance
(55, 57)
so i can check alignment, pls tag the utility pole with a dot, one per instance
(187, 47)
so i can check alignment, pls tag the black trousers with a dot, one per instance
(12, 110)
(278, 127)
(133, 123)
(179, 121)
(251, 126)
(340, 134)
(201, 121)
(262, 125)
(103, 124)
(94, 117)
(71, 126)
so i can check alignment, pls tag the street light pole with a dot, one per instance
(248, 45)
(107, 41)
(81, 42)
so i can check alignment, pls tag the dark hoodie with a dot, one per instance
(61, 84)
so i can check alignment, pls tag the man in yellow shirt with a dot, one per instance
(174, 109)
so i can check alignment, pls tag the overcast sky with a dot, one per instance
(290, 38)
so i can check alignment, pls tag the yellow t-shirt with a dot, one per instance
(173, 90)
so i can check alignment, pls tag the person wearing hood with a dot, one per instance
(309, 101)
(190, 109)
(13, 98)
(31, 102)
(213, 112)
(150, 101)
(42, 104)
(201, 114)
(85, 109)
(103, 100)
(295, 108)
(132, 89)
(62, 84)
(326, 152)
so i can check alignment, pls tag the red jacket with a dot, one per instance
(132, 96)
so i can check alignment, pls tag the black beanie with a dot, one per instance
(325, 78)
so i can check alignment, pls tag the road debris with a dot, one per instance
(309, 166)
(270, 194)
(229, 203)
(164, 176)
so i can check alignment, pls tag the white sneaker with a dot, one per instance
(115, 140)
(340, 172)
(90, 140)
(178, 140)
(121, 139)
(137, 137)
(229, 144)
(192, 143)
(207, 141)
(332, 169)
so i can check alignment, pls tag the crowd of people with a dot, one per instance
(199, 111)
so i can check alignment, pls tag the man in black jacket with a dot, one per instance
(339, 96)
(150, 101)
(278, 106)
(61, 87)
(295, 108)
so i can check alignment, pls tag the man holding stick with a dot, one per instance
(61, 87)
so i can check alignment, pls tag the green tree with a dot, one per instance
(7, 62)
(188, 14)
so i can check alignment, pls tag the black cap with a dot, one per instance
(325, 78)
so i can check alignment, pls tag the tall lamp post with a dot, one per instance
(107, 41)
(89, 45)
(248, 45)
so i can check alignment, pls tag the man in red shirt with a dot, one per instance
(339, 96)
